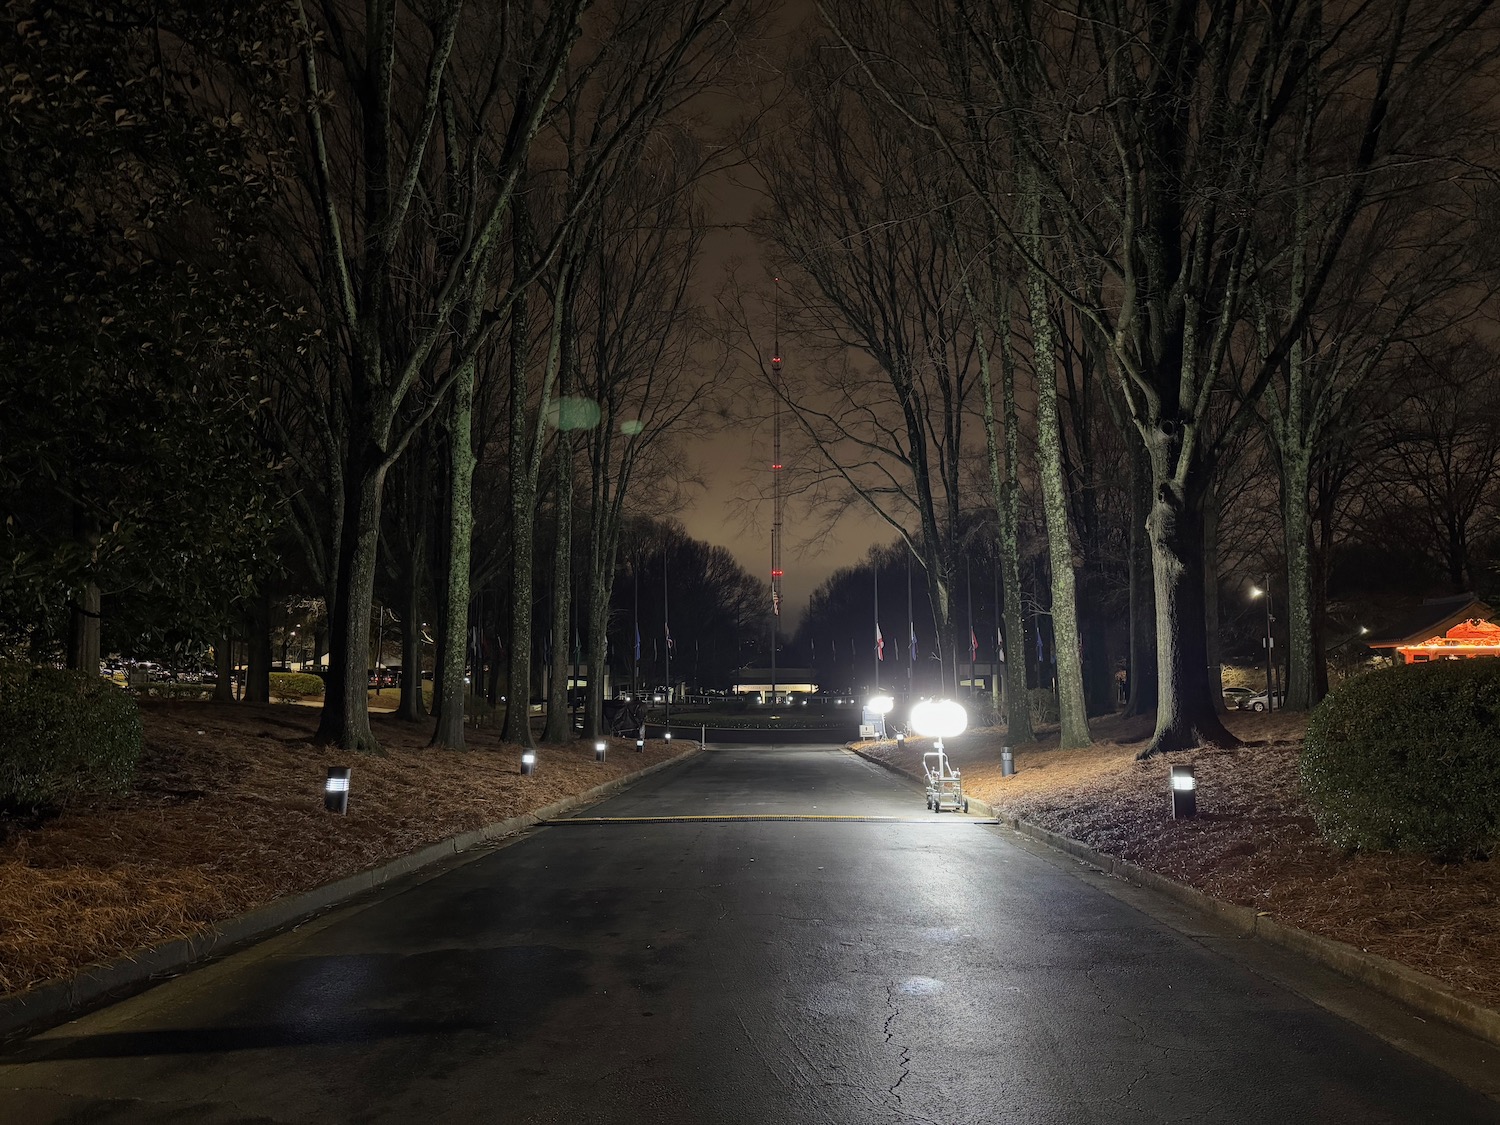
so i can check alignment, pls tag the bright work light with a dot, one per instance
(880, 704)
(939, 718)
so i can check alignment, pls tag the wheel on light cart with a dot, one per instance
(966, 806)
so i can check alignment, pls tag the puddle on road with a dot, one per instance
(921, 986)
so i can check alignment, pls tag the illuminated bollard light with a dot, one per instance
(599, 750)
(528, 761)
(336, 790)
(1184, 792)
(900, 741)
(640, 744)
(1007, 762)
(668, 737)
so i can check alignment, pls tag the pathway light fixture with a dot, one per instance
(1184, 788)
(599, 749)
(336, 790)
(528, 761)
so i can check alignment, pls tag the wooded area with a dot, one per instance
(396, 311)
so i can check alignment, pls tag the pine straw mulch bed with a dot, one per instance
(1253, 842)
(227, 815)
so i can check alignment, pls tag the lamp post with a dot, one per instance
(1257, 592)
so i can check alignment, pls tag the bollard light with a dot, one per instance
(1184, 792)
(336, 790)
(640, 744)
(900, 740)
(599, 751)
(1007, 762)
(668, 736)
(528, 761)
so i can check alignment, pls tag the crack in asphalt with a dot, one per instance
(890, 1000)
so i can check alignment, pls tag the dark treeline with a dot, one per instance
(376, 316)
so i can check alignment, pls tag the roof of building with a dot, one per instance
(1432, 618)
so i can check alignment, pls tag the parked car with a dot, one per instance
(1234, 697)
(1257, 702)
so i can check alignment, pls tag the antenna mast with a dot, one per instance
(775, 483)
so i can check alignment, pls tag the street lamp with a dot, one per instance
(1257, 592)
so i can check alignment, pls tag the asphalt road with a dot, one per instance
(930, 968)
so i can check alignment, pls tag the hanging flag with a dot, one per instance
(1000, 643)
(775, 603)
(1040, 657)
(814, 645)
(913, 627)
(671, 645)
(973, 644)
(637, 642)
(879, 643)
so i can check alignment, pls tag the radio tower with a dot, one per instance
(775, 484)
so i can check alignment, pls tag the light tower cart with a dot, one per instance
(945, 788)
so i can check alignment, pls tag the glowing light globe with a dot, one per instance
(939, 718)
(880, 704)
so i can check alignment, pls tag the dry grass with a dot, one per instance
(227, 815)
(1253, 842)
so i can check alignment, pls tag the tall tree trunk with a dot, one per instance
(1296, 521)
(559, 727)
(345, 719)
(1072, 708)
(522, 501)
(224, 668)
(449, 707)
(83, 610)
(1006, 498)
(258, 665)
(1141, 669)
(1186, 716)
(1213, 660)
(411, 707)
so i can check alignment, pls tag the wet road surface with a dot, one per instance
(929, 968)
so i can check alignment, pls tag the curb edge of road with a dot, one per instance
(48, 1004)
(1417, 990)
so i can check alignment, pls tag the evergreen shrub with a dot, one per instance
(63, 734)
(1408, 759)
(295, 685)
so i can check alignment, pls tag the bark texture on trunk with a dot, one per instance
(559, 728)
(1072, 708)
(1140, 698)
(448, 730)
(1302, 687)
(1186, 716)
(345, 719)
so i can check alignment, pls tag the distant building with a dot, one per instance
(1456, 628)
(757, 681)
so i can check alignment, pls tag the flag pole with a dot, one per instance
(876, 587)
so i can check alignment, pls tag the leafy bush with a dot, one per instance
(295, 685)
(1043, 705)
(1408, 759)
(63, 734)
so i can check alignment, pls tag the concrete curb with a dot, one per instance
(49, 1003)
(1419, 991)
